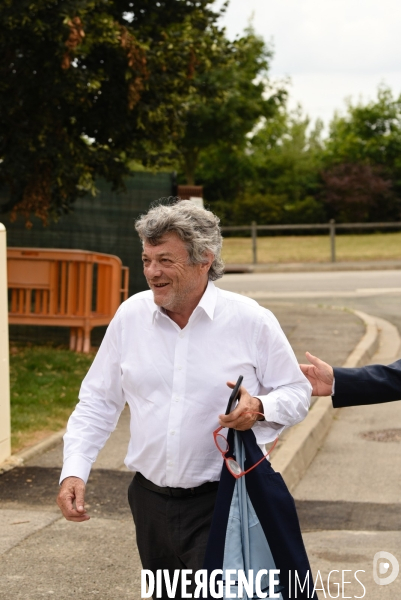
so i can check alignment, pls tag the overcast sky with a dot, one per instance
(331, 49)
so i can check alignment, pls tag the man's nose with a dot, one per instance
(153, 269)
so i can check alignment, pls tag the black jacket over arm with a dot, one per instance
(367, 385)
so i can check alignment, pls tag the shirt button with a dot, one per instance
(181, 334)
(172, 432)
(179, 368)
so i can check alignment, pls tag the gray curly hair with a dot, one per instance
(197, 227)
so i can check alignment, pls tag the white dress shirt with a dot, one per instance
(174, 381)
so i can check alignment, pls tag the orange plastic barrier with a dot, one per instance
(67, 288)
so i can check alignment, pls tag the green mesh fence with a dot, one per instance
(104, 223)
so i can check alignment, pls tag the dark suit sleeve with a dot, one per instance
(372, 384)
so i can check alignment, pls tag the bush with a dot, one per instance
(270, 209)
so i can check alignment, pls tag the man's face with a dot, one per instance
(176, 284)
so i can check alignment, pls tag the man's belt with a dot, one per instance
(209, 486)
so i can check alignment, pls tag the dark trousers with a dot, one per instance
(171, 533)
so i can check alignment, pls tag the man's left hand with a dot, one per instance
(237, 419)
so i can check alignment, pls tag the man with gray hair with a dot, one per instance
(170, 353)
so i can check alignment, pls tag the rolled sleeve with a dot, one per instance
(287, 392)
(101, 401)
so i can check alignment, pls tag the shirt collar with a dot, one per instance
(209, 300)
(207, 303)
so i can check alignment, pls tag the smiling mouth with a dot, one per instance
(159, 285)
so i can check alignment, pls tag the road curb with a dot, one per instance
(19, 458)
(295, 455)
(368, 345)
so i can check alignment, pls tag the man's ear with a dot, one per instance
(206, 265)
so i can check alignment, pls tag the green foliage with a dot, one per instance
(85, 87)
(287, 173)
(89, 88)
(228, 97)
(287, 158)
(368, 133)
(284, 161)
(224, 176)
(44, 388)
(363, 161)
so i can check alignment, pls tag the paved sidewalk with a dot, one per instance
(349, 500)
(44, 555)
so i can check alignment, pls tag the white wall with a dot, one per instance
(5, 431)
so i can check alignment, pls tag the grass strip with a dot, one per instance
(45, 382)
(314, 248)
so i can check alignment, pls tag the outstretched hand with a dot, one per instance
(319, 374)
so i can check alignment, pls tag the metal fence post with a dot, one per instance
(333, 239)
(254, 231)
(5, 429)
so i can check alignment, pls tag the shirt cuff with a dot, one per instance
(267, 430)
(76, 466)
(333, 387)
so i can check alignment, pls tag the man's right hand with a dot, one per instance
(71, 499)
(319, 374)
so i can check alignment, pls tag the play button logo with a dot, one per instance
(382, 561)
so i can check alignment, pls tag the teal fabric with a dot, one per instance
(246, 546)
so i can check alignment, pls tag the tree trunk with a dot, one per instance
(190, 164)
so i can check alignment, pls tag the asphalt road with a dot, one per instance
(375, 292)
(322, 283)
